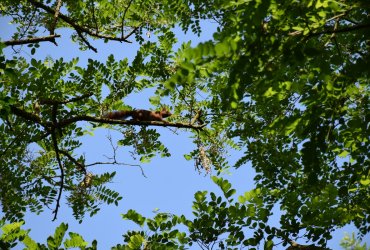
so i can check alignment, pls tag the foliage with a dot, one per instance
(42, 101)
(220, 222)
(12, 234)
(286, 82)
(352, 243)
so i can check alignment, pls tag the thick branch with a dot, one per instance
(28, 116)
(333, 31)
(50, 38)
(66, 122)
(346, 29)
(57, 11)
(78, 27)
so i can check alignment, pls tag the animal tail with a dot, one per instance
(118, 115)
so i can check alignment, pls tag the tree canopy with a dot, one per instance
(284, 82)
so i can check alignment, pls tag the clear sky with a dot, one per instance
(171, 182)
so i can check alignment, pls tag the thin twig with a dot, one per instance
(84, 39)
(333, 37)
(124, 17)
(337, 16)
(115, 162)
(12, 142)
(120, 164)
(81, 167)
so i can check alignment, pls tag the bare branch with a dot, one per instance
(120, 164)
(50, 38)
(115, 162)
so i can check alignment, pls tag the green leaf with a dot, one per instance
(365, 181)
(12, 232)
(291, 127)
(252, 194)
(225, 186)
(270, 92)
(136, 241)
(15, 226)
(188, 157)
(34, 63)
(242, 199)
(343, 154)
(200, 196)
(145, 159)
(268, 245)
(134, 216)
(75, 240)
(56, 241)
(29, 243)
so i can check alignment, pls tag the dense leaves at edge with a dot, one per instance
(285, 82)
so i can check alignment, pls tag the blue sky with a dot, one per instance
(171, 182)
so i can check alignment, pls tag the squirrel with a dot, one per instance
(139, 115)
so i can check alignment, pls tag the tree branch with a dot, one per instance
(84, 39)
(16, 138)
(68, 121)
(50, 38)
(332, 31)
(346, 29)
(120, 164)
(57, 11)
(114, 159)
(124, 17)
(80, 28)
(28, 116)
(55, 144)
(80, 166)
